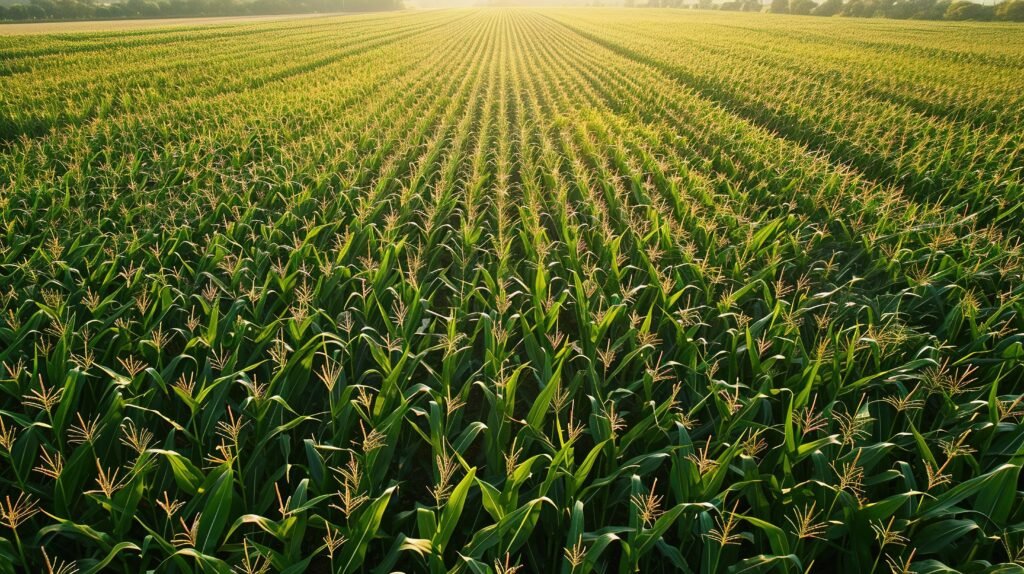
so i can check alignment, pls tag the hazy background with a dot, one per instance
(67, 10)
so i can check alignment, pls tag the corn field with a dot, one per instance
(513, 290)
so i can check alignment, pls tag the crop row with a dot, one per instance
(507, 289)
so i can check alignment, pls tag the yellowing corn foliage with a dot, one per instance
(510, 290)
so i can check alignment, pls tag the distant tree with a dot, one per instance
(49, 9)
(917, 9)
(801, 6)
(967, 10)
(853, 9)
(1013, 10)
(17, 12)
(883, 7)
(828, 8)
(900, 10)
(40, 9)
(35, 12)
(108, 12)
(138, 8)
(936, 12)
(927, 9)
(82, 9)
(779, 7)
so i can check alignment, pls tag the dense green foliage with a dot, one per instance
(42, 10)
(93, 10)
(479, 291)
(1008, 10)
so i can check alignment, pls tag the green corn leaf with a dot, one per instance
(362, 532)
(216, 510)
(453, 511)
(939, 536)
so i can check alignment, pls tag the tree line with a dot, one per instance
(41, 10)
(1009, 10)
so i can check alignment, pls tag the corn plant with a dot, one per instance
(510, 290)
